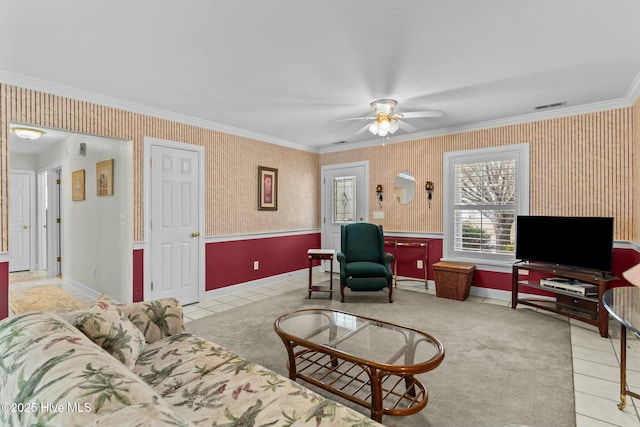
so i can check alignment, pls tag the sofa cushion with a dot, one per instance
(205, 382)
(156, 319)
(109, 328)
(47, 361)
(157, 414)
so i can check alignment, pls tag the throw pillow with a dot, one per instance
(109, 328)
(156, 319)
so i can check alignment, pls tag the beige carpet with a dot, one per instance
(42, 298)
(502, 367)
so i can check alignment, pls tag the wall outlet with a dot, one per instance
(256, 265)
(419, 264)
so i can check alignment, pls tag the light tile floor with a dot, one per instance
(596, 360)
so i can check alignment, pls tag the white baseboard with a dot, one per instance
(254, 284)
(91, 293)
(496, 294)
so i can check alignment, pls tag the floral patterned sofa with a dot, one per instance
(133, 365)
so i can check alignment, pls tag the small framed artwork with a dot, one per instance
(77, 185)
(267, 189)
(104, 178)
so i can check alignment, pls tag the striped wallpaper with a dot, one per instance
(231, 163)
(580, 166)
(635, 177)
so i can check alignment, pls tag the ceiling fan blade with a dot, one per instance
(353, 118)
(363, 129)
(406, 126)
(416, 114)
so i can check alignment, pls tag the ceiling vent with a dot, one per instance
(554, 105)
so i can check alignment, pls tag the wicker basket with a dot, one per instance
(453, 280)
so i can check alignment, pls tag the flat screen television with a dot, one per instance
(579, 242)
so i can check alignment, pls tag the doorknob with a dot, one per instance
(195, 234)
(25, 227)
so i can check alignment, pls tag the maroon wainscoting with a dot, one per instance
(138, 275)
(4, 290)
(230, 263)
(623, 259)
(407, 256)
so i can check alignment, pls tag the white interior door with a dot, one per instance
(20, 219)
(174, 228)
(54, 217)
(42, 208)
(344, 197)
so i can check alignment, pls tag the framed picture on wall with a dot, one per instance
(77, 185)
(104, 178)
(267, 189)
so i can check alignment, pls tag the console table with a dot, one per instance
(400, 242)
(624, 306)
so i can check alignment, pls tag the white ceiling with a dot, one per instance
(282, 70)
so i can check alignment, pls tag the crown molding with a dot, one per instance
(634, 90)
(66, 91)
(133, 107)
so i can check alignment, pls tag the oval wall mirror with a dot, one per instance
(404, 187)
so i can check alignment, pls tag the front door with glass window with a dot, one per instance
(344, 201)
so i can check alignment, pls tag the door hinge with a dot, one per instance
(150, 162)
(58, 181)
(59, 259)
(58, 220)
(151, 285)
(151, 224)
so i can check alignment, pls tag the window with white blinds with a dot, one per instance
(486, 190)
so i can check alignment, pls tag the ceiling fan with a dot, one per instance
(386, 121)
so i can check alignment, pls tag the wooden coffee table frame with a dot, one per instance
(365, 382)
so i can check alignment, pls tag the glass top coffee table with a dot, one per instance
(368, 361)
(623, 304)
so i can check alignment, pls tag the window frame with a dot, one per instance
(518, 152)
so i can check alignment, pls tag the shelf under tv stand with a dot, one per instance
(585, 308)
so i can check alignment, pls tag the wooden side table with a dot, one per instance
(321, 254)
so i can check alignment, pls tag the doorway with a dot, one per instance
(344, 200)
(74, 245)
(175, 189)
(22, 214)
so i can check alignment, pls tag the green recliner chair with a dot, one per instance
(364, 265)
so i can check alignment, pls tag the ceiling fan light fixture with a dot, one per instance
(28, 133)
(386, 121)
(384, 106)
(374, 128)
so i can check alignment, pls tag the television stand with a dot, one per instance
(585, 308)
